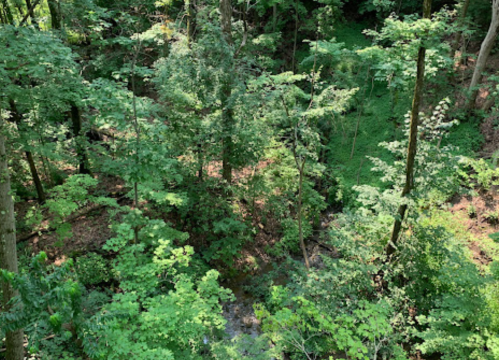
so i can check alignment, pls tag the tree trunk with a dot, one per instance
(54, 14)
(486, 48)
(8, 252)
(36, 178)
(8, 13)
(227, 123)
(227, 115)
(191, 20)
(462, 18)
(274, 18)
(80, 149)
(295, 41)
(30, 13)
(300, 215)
(226, 19)
(413, 138)
(16, 117)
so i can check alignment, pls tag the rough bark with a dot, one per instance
(16, 117)
(413, 139)
(80, 149)
(226, 19)
(485, 49)
(8, 252)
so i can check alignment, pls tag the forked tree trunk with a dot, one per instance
(16, 117)
(486, 48)
(413, 139)
(8, 253)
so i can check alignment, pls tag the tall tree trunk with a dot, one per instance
(226, 19)
(3, 20)
(191, 20)
(54, 14)
(227, 114)
(486, 48)
(9, 18)
(8, 252)
(295, 40)
(413, 139)
(300, 214)
(274, 18)
(36, 178)
(16, 117)
(80, 149)
(462, 18)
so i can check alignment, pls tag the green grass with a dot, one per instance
(377, 124)
(351, 34)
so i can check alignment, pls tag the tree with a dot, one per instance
(465, 4)
(485, 49)
(16, 118)
(225, 93)
(55, 14)
(411, 151)
(8, 252)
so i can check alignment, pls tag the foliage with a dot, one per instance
(92, 269)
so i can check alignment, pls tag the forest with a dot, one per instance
(249, 179)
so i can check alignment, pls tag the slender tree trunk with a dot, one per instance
(54, 14)
(191, 20)
(295, 41)
(462, 18)
(300, 214)
(80, 150)
(274, 18)
(227, 115)
(413, 138)
(16, 117)
(226, 19)
(8, 13)
(8, 252)
(486, 48)
(200, 162)
(36, 178)
(227, 120)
